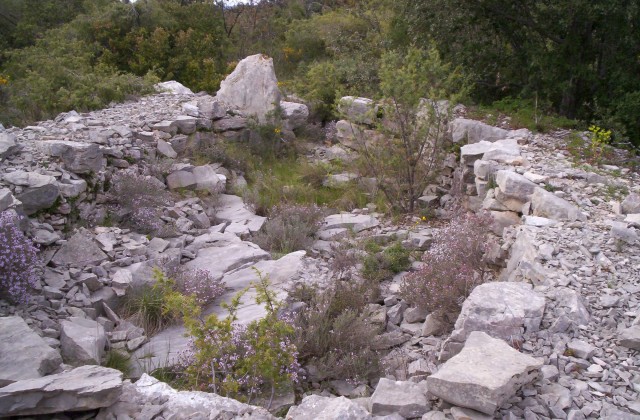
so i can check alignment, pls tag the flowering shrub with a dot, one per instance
(453, 266)
(290, 229)
(237, 360)
(140, 198)
(198, 283)
(18, 261)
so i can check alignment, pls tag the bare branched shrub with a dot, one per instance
(454, 265)
(139, 199)
(333, 332)
(291, 228)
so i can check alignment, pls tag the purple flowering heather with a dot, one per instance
(18, 261)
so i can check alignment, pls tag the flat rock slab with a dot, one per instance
(469, 153)
(549, 205)
(232, 209)
(485, 374)
(503, 310)
(23, 353)
(409, 399)
(81, 389)
(219, 260)
(355, 222)
(326, 408)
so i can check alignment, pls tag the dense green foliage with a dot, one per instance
(573, 58)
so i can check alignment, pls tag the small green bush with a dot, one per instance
(146, 306)
(291, 228)
(396, 258)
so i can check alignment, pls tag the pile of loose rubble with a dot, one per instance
(556, 336)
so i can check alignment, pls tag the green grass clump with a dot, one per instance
(118, 360)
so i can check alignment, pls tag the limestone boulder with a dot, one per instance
(409, 399)
(80, 158)
(475, 131)
(173, 87)
(81, 389)
(549, 205)
(355, 222)
(8, 145)
(219, 260)
(513, 187)
(294, 114)
(80, 250)
(23, 353)
(504, 310)
(207, 179)
(82, 341)
(41, 191)
(252, 88)
(326, 408)
(630, 337)
(210, 108)
(469, 153)
(484, 375)
(6, 199)
(232, 209)
(358, 110)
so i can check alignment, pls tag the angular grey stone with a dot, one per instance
(80, 158)
(470, 153)
(412, 315)
(549, 205)
(81, 389)
(185, 124)
(166, 150)
(210, 108)
(484, 375)
(38, 198)
(581, 349)
(181, 179)
(325, 408)
(620, 231)
(294, 114)
(6, 199)
(70, 188)
(459, 413)
(207, 179)
(79, 250)
(631, 204)
(230, 124)
(28, 179)
(252, 88)
(504, 310)
(630, 337)
(8, 145)
(409, 399)
(23, 353)
(82, 341)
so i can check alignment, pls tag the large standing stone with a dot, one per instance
(326, 408)
(81, 389)
(80, 158)
(8, 145)
(23, 353)
(503, 310)
(252, 88)
(485, 374)
(549, 205)
(79, 250)
(82, 341)
(409, 399)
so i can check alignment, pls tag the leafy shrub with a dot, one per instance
(379, 265)
(233, 359)
(453, 266)
(18, 261)
(292, 228)
(333, 332)
(140, 198)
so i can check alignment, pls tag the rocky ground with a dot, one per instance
(557, 335)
